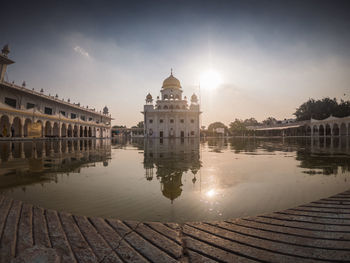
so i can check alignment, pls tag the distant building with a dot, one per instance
(25, 112)
(171, 116)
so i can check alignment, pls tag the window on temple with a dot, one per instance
(82, 118)
(165, 96)
(182, 120)
(192, 120)
(165, 107)
(192, 133)
(73, 116)
(177, 97)
(63, 112)
(11, 102)
(30, 105)
(171, 107)
(48, 111)
(161, 121)
(90, 119)
(150, 121)
(171, 120)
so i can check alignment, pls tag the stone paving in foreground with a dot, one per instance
(315, 232)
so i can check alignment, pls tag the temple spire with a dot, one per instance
(171, 71)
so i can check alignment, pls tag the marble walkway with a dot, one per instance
(314, 232)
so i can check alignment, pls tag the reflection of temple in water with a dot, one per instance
(169, 160)
(28, 162)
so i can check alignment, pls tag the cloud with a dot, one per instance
(81, 51)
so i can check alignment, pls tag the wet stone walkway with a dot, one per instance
(315, 232)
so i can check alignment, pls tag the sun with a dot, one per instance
(210, 79)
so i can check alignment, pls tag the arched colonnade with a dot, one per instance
(18, 127)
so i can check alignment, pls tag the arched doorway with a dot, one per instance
(75, 131)
(5, 126)
(27, 123)
(48, 129)
(90, 132)
(328, 130)
(42, 127)
(321, 130)
(16, 128)
(308, 131)
(85, 132)
(63, 130)
(335, 129)
(70, 131)
(56, 130)
(343, 129)
(315, 130)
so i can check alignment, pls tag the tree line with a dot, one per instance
(316, 109)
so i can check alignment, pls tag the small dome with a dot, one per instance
(194, 98)
(149, 96)
(105, 110)
(5, 50)
(171, 82)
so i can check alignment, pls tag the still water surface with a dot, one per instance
(174, 180)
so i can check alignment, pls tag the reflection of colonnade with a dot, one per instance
(333, 144)
(57, 150)
(28, 162)
(169, 159)
(21, 108)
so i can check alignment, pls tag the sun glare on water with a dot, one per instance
(210, 193)
(210, 80)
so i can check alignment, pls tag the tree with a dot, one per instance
(251, 122)
(213, 126)
(322, 109)
(140, 124)
(269, 121)
(238, 127)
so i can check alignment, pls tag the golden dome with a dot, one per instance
(171, 82)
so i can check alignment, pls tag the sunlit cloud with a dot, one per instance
(81, 51)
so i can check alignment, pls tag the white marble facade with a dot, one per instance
(20, 107)
(171, 116)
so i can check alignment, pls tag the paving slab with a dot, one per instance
(315, 232)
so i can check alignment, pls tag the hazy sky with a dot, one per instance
(271, 55)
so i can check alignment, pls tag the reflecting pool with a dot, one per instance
(174, 180)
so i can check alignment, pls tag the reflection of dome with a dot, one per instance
(171, 82)
(171, 187)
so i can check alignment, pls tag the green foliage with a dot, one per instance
(269, 121)
(238, 127)
(212, 127)
(140, 124)
(321, 109)
(251, 122)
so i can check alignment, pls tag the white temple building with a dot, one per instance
(28, 113)
(171, 116)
